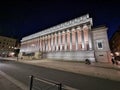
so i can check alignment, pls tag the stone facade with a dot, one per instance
(101, 45)
(72, 40)
(7, 46)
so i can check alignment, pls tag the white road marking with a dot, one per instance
(16, 82)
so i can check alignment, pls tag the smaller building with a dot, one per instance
(7, 46)
(115, 43)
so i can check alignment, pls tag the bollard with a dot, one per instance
(31, 82)
(17, 58)
(59, 86)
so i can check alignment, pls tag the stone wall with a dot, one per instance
(71, 55)
(100, 35)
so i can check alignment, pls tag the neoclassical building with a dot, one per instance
(72, 40)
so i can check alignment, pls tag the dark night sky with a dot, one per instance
(22, 18)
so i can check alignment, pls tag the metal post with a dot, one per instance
(59, 86)
(31, 82)
(17, 57)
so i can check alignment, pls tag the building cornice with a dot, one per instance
(99, 28)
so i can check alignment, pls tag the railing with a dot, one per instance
(43, 84)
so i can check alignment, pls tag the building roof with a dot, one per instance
(65, 25)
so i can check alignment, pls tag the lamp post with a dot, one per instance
(16, 50)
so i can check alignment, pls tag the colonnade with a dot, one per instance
(71, 39)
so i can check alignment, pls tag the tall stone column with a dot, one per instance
(73, 39)
(40, 43)
(79, 38)
(49, 39)
(90, 38)
(61, 41)
(43, 44)
(70, 40)
(56, 41)
(83, 42)
(76, 35)
(46, 44)
(65, 41)
(37, 44)
(52, 42)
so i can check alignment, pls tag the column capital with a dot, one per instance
(79, 28)
(52, 34)
(48, 36)
(63, 31)
(85, 26)
(43, 37)
(40, 37)
(73, 29)
(89, 27)
(68, 30)
(59, 33)
(55, 34)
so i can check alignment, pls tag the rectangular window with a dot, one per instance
(99, 44)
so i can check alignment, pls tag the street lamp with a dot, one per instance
(117, 53)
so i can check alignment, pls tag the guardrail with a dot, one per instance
(43, 84)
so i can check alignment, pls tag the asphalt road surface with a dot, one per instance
(21, 71)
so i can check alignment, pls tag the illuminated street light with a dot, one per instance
(111, 54)
(117, 53)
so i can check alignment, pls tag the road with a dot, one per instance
(21, 71)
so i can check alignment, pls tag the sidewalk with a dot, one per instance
(102, 70)
(6, 84)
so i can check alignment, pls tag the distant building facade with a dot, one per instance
(115, 43)
(7, 45)
(72, 40)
